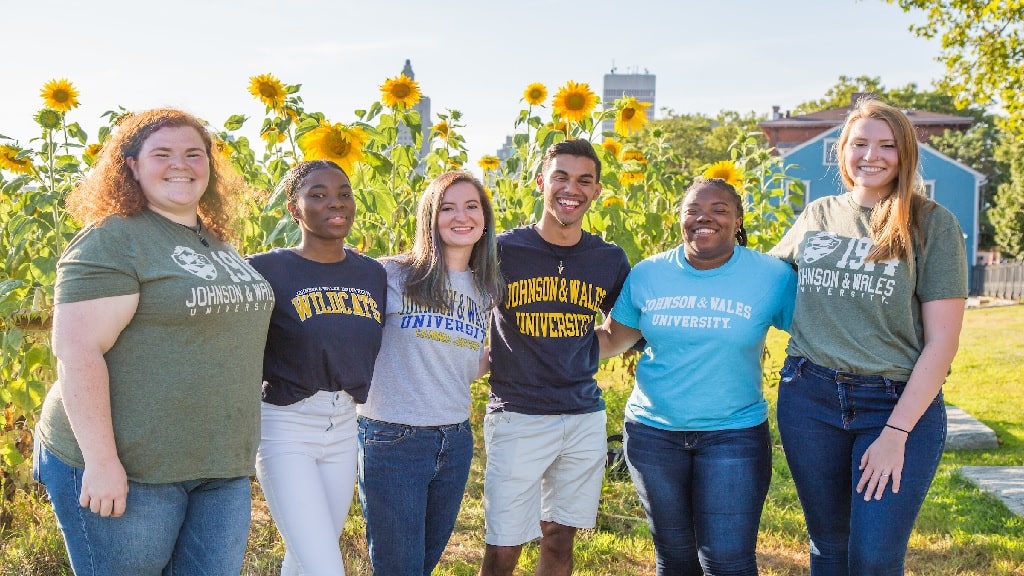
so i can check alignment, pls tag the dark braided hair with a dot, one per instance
(741, 232)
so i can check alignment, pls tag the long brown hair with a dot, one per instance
(895, 219)
(112, 189)
(427, 282)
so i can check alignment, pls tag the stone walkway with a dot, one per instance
(964, 432)
(1003, 482)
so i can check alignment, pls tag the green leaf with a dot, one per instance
(235, 122)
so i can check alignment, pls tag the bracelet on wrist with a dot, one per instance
(907, 432)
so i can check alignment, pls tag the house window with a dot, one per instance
(929, 189)
(829, 158)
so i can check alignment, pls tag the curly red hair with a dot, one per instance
(110, 188)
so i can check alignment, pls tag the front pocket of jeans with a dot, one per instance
(385, 436)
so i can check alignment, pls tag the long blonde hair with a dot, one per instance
(895, 219)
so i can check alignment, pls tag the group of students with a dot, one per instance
(147, 441)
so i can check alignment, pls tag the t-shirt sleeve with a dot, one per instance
(625, 312)
(97, 264)
(942, 265)
(620, 281)
(783, 317)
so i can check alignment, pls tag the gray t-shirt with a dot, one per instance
(185, 373)
(428, 358)
(864, 317)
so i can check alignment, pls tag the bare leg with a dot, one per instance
(500, 560)
(555, 549)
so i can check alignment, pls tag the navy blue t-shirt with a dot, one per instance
(544, 353)
(326, 327)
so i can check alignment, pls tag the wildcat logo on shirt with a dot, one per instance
(194, 262)
(820, 245)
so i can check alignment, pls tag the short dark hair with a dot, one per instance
(576, 147)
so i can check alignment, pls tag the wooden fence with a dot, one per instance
(1004, 281)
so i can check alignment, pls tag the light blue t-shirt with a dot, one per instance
(705, 331)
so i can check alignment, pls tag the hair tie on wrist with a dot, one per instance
(907, 432)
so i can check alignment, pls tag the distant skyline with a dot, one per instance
(739, 55)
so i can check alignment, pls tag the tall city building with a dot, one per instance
(635, 84)
(423, 107)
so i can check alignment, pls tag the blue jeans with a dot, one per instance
(411, 483)
(199, 527)
(827, 419)
(703, 493)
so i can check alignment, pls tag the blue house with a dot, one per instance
(808, 143)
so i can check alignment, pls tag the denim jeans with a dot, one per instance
(306, 465)
(411, 483)
(193, 528)
(703, 493)
(827, 419)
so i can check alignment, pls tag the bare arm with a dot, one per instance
(615, 338)
(942, 322)
(82, 333)
(485, 363)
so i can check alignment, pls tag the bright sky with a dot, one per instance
(469, 55)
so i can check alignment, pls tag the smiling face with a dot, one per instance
(324, 206)
(173, 171)
(460, 218)
(570, 186)
(870, 159)
(709, 220)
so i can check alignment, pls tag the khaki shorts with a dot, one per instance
(548, 468)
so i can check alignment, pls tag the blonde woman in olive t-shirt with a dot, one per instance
(879, 306)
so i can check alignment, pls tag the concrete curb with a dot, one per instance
(1003, 482)
(964, 432)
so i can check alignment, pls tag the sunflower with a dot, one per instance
(726, 170)
(630, 177)
(401, 90)
(490, 195)
(92, 150)
(632, 115)
(489, 163)
(613, 201)
(59, 95)
(441, 129)
(574, 101)
(269, 90)
(336, 142)
(48, 118)
(612, 146)
(633, 155)
(535, 94)
(273, 136)
(9, 160)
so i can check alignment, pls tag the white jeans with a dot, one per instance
(306, 466)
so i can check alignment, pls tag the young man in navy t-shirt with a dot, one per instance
(545, 426)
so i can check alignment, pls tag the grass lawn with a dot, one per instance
(961, 531)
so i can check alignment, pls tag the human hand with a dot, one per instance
(881, 463)
(104, 488)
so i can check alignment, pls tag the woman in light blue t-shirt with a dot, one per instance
(696, 430)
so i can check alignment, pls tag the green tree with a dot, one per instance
(1008, 213)
(698, 140)
(983, 51)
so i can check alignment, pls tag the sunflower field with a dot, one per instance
(638, 209)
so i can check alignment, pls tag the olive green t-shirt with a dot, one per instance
(864, 317)
(185, 374)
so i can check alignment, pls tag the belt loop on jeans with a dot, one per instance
(800, 366)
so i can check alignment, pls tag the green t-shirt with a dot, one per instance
(185, 374)
(865, 317)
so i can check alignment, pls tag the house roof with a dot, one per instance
(836, 116)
